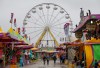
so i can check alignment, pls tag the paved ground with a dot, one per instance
(39, 64)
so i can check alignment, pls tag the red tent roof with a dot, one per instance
(24, 46)
(92, 16)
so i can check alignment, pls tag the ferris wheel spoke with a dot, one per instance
(34, 23)
(33, 27)
(51, 15)
(47, 15)
(58, 24)
(41, 19)
(59, 34)
(44, 15)
(36, 35)
(57, 27)
(54, 32)
(58, 20)
(34, 31)
(54, 18)
(37, 20)
(57, 30)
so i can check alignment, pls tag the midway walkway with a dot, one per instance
(39, 64)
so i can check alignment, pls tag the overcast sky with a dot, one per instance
(21, 7)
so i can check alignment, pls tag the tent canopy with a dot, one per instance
(74, 43)
(1, 31)
(24, 46)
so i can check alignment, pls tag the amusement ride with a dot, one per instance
(44, 23)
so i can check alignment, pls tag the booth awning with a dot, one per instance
(24, 46)
(52, 51)
(74, 43)
(6, 37)
(92, 16)
(34, 49)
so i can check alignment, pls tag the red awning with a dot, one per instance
(97, 16)
(24, 46)
(74, 43)
(6, 37)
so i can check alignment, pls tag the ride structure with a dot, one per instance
(44, 23)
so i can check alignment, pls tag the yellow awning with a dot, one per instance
(1, 30)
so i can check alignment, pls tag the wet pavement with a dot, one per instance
(39, 64)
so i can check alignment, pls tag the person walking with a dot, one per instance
(54, 58)
(96, 64)
(63, 58)
(75, 59)
(21, 61)
(48, 58)
(60, 59)
(44, 59)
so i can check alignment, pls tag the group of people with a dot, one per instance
(26, 58)
(47, 58)
(62, 58)
(79, 63)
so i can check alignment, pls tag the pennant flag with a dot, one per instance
(29, 38)
(66, 28)
(19, 30)
(1, 30)
(23, 30)
(11, 20)
(15, 22)
(26, 36)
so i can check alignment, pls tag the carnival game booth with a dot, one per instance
(92, 50)
(5, 40)
(22, 47)
(8, 42)
(75, 48)
(89, 31)
(89, 27)
(23, 54)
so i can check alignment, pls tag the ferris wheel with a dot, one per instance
(44, 23)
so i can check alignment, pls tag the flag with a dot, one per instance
(29, 38)
(23, 30)
(19, 30)
(26, 36)
(11, 20)
(15, 22)
(66, 28)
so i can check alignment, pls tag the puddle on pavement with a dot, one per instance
(42, 67)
